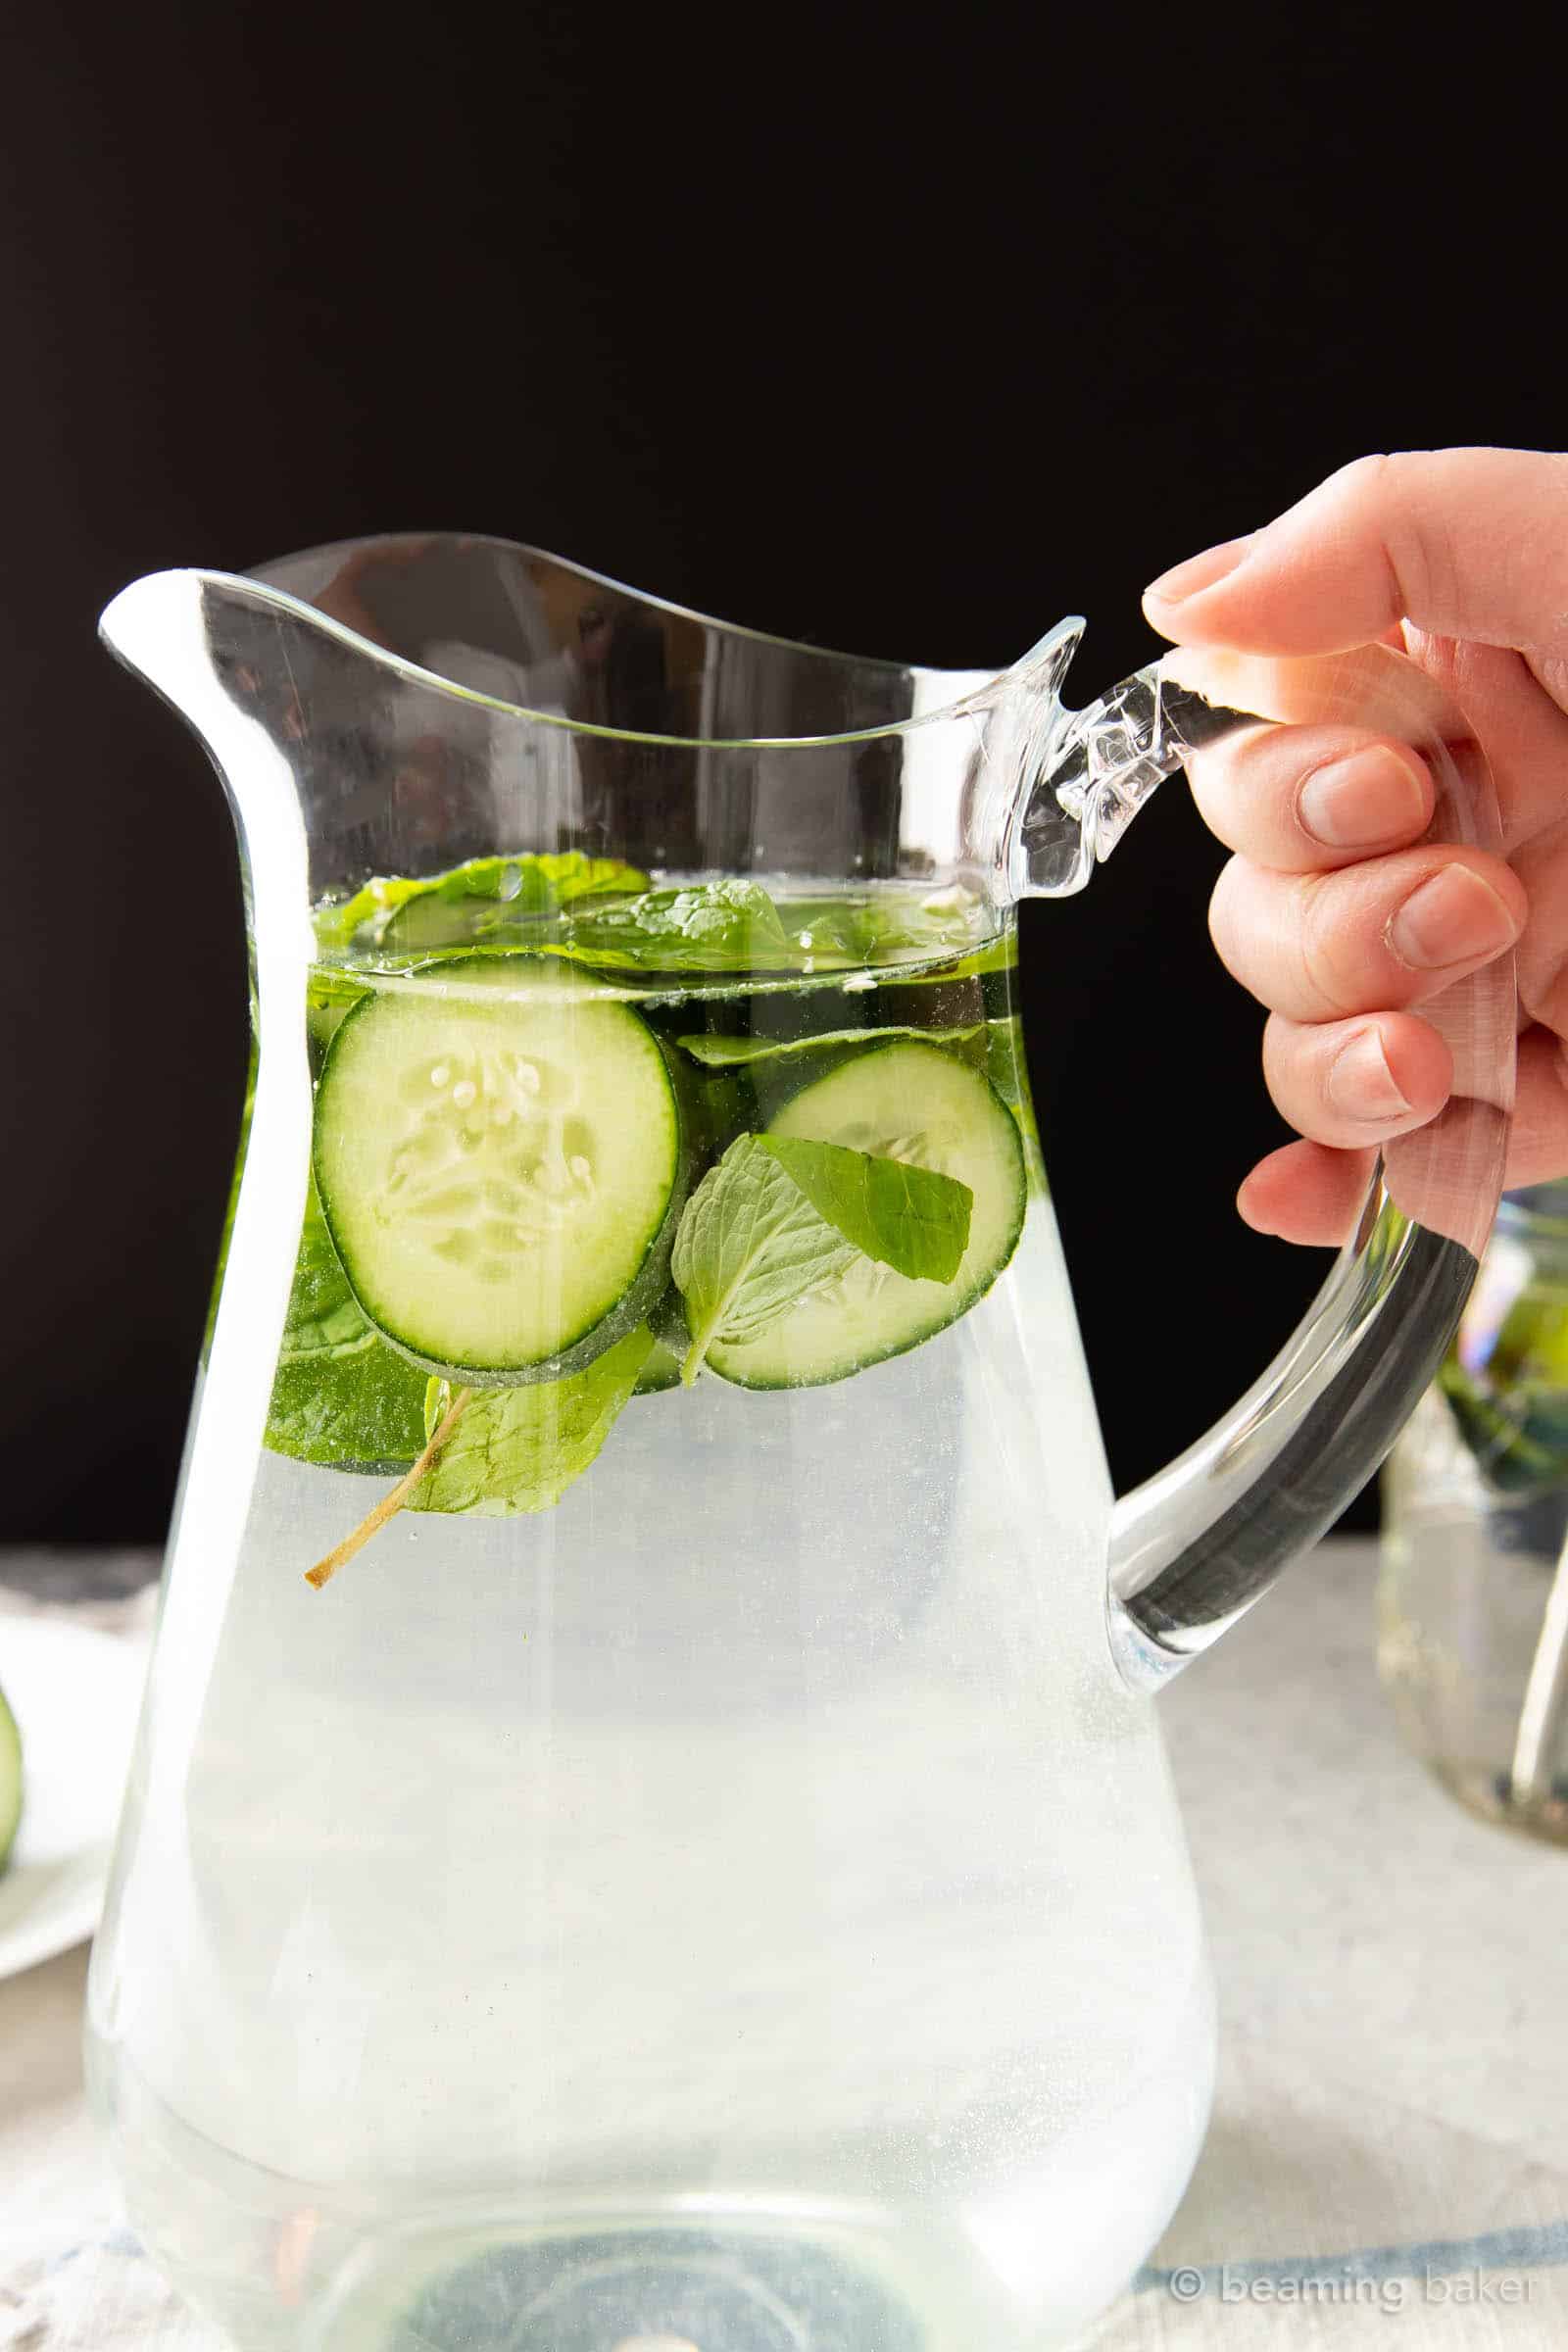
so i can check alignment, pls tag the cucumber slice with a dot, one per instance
(499, 1158)
(661, 1371)
(911, 1102)
(9, 1781)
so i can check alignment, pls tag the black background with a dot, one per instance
(901, 334)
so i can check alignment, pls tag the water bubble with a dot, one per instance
(441, 1072)
(463, 1093)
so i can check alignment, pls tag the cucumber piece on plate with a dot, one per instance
(908, 1101)
(9, 1781)
(499, 1157)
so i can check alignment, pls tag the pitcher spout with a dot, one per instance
(195, 638)
(338, 753)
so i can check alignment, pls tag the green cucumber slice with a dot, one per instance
(660, 1370)
(910, 1102)
(499, 1157)
(9, 1781)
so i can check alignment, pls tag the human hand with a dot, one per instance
(1326, 911)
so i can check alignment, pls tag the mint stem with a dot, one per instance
(390, 1504)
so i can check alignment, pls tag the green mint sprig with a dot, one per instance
(499, 1452)
(602, 911)
(913, 1219)
(726, 1053)
(709, 927)
(780, 1216)
(518, 1450)
(470, 900)
(341, 1396)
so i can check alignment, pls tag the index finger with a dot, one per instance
(1469, 543)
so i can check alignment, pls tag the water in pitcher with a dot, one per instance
(551, 1868)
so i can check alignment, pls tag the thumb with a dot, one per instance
(1469, 543)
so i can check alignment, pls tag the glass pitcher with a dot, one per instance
(1473, 1589)
(648, 1828)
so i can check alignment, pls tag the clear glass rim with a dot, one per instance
(967, 700)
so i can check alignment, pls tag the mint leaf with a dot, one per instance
(999, 954)
(723, 1052)
(749, 1246)
(565, 902)
(341, 1396)
(890, 922)
(712, 926)
(736, 927)
(323, 1317)
(518, 1450)
(472, 900)
(911, 1219)
(1516, 1427)
(357, 1410)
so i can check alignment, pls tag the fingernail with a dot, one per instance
(1187, 579)
(1373, 796)
(1361, 1083)
(1452, 919)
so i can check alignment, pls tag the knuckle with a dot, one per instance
(1320, 945)
(1379, 489)
(1364, 476)
(1367, 487)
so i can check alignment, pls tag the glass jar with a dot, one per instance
(1473, 1599)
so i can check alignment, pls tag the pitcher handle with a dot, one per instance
(1197, 1544)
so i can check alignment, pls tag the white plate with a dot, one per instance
(75, 1694)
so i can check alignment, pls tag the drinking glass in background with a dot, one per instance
(1473, 1600)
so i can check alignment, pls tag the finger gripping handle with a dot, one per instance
(1199, 1543)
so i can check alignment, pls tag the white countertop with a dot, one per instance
(1390, 2139)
